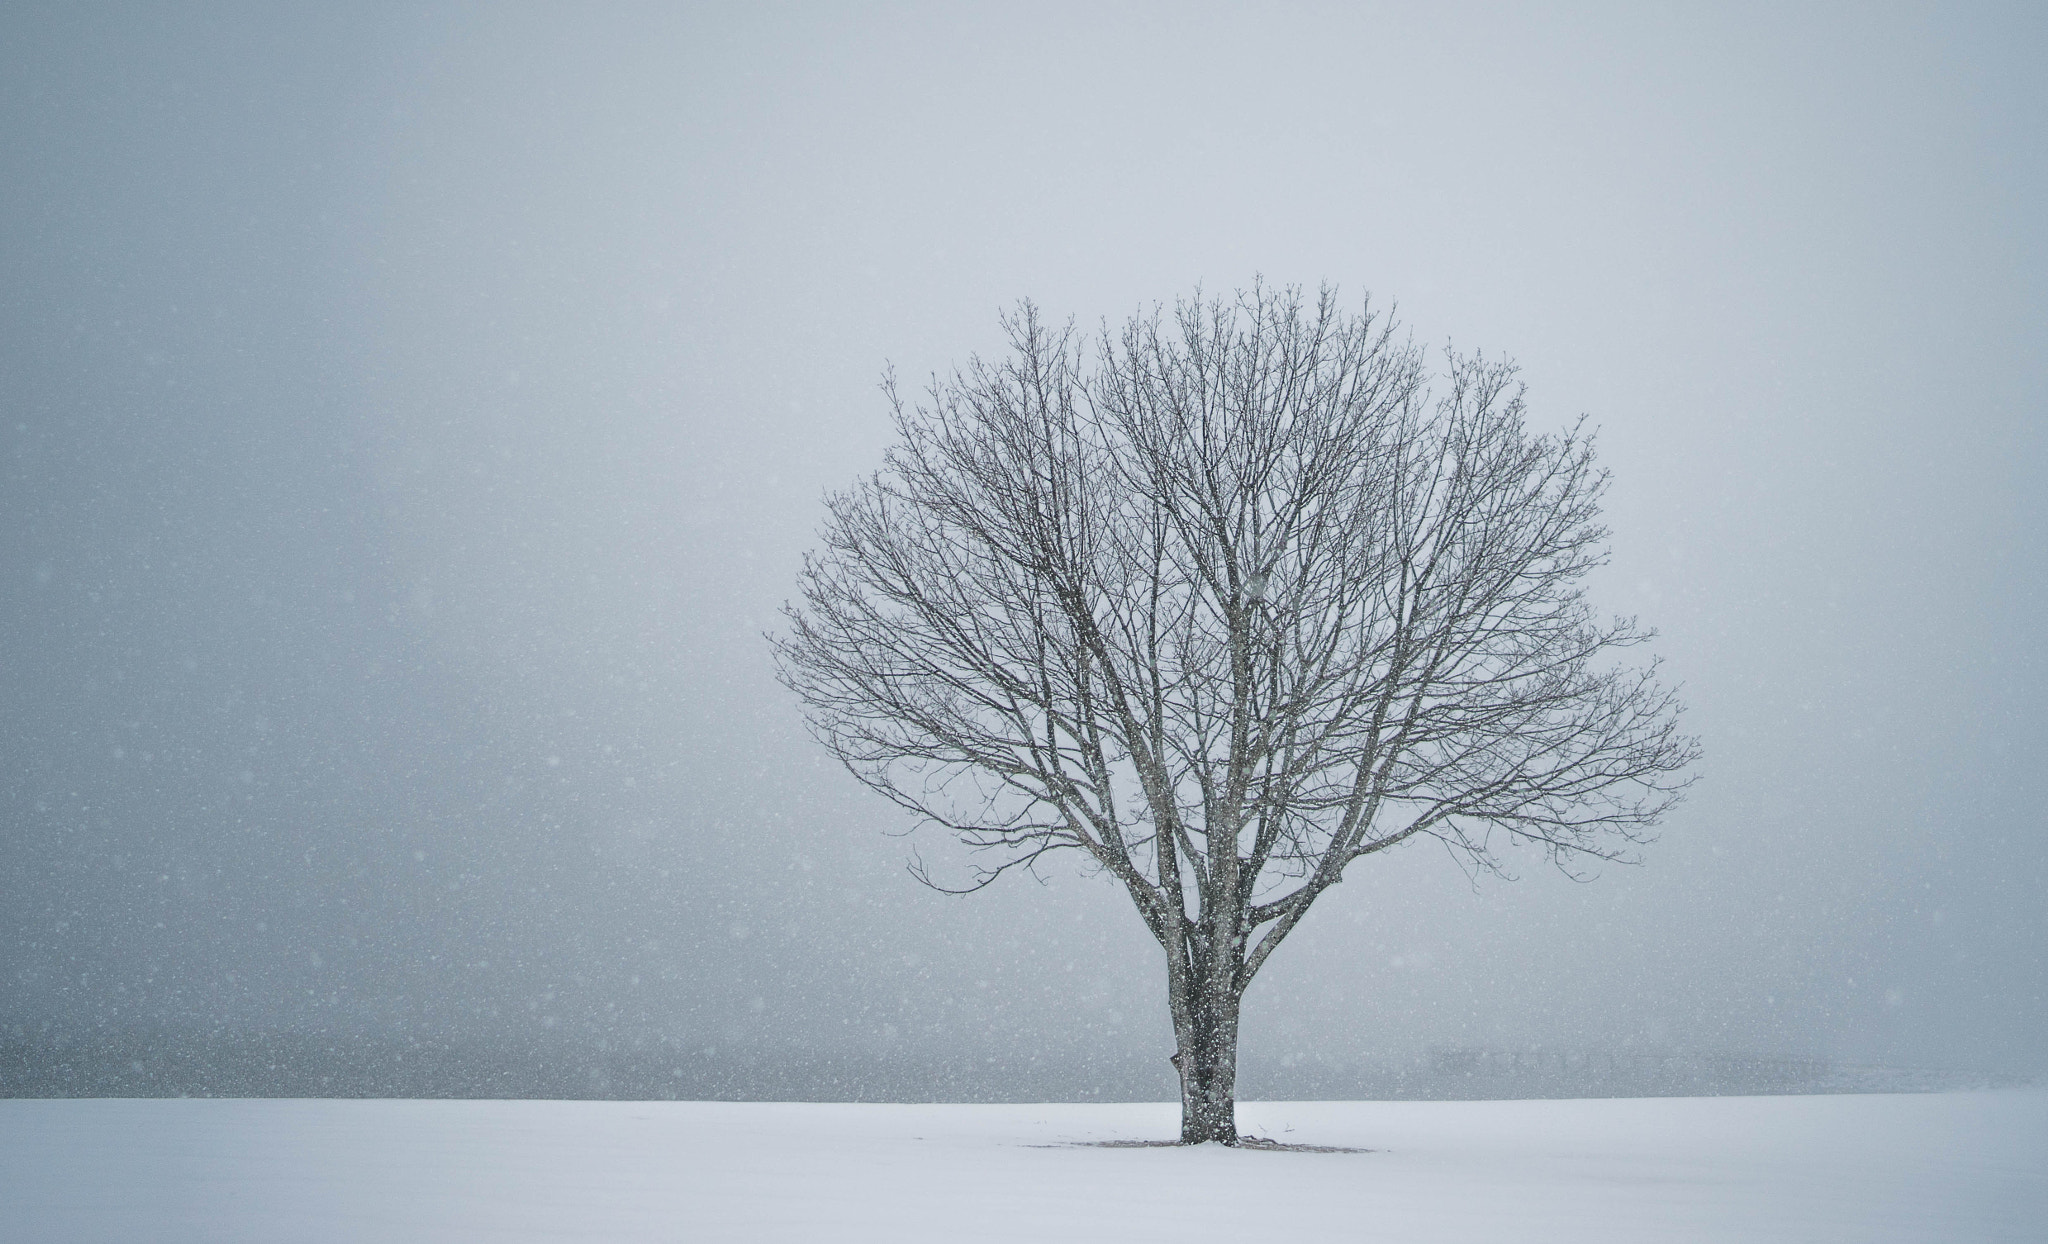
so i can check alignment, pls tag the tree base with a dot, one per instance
(1243, 1142)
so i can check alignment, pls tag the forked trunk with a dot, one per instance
(1207, 1060)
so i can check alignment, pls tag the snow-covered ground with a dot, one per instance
(1936, 1167)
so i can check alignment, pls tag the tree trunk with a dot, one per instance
(1207, 1060)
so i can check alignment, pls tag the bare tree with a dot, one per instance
(1226, 601)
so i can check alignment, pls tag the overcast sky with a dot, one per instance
(413, 417)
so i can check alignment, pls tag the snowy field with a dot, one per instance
(1937, 1167)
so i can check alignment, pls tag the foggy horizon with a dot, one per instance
(416, 417)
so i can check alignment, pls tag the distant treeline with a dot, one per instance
(184, 1063)
(173, 1062)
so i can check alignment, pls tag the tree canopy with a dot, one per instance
(1225, 601)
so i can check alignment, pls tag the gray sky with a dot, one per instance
(412, 419)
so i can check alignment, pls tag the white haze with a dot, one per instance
(414, 417)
